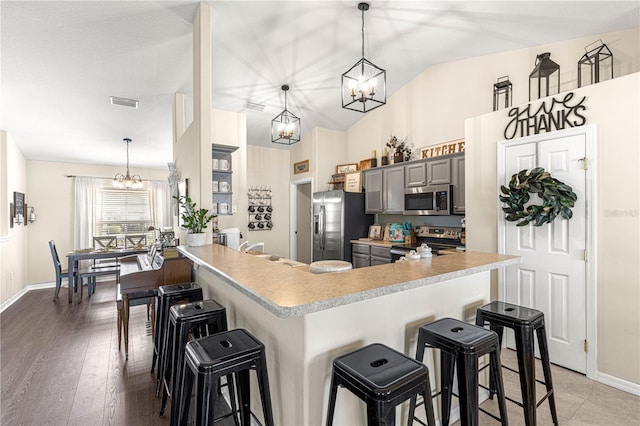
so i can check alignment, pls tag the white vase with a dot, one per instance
(196, 240)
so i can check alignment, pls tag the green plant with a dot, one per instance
(194, 220)
(558, 198)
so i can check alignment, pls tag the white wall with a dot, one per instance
(13, 241)
(269, 167)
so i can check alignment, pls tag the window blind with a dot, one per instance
(122, 211)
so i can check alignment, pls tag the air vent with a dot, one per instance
(254, 106)
(123, 101)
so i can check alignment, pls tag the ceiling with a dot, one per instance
(61, 60)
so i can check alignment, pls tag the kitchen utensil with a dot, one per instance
(412, 255)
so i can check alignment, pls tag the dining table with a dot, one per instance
(75, 256)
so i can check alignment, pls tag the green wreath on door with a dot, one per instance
(557, 198)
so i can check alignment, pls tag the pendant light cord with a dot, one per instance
(363, 32)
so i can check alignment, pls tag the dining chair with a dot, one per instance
(92, 273)
(60, 273)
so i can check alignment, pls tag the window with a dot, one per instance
(122, 212)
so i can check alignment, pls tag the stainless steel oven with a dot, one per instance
(428, 200)
(438, 238)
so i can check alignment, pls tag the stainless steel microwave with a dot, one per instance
(428, 200)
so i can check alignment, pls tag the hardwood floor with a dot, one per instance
(60, 363)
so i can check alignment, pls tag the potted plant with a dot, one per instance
(401, 151)
(195, 220)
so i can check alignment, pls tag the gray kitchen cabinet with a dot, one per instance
(393, 185)
(384, 190)
(439, 172)
(415, 174)
(373, 191)
(458, 184)
(369, 255)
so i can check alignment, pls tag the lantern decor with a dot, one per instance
(364, 84)
(596, 60)
(285, 128)
(502, 87)
(543, 73)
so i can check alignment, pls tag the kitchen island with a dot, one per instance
(306, 320)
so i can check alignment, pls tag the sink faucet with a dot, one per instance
(245, 247)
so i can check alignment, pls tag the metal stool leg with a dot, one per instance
(526, 367)
(546, 368)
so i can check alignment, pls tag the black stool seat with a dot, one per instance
(201, 318)
(383, 378)
(209, 358)
(461, 344)
(169, 295)
(524, 322)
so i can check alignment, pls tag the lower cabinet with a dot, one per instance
(369, 255)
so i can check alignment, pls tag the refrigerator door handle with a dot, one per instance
(323, 223)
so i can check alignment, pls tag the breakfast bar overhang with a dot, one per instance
(306, 320)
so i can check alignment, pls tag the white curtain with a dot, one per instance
(85, 211)
(160, 200)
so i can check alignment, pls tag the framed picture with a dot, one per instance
(346, 168)
(375, 232)
(301, 167)
(353, 182)
(18, 208)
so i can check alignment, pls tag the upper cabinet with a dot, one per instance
(439, 171)
(221, 175)
(384, 190)
(415, 174)
(457, 170)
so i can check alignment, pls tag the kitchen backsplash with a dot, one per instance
(452, 221)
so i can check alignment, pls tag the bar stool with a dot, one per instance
(461, 344)
(383, 378)
(199, 319)
(524, 322)
(207, 360)
(169, 295)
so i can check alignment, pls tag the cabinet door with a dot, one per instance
(415, 174)
(373, 191)
(360, 260)
(439, 172)
(379, 260)
(393, 184)
(458, 185)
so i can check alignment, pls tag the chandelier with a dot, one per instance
(127, 181)
(285, 128)
(364, 85)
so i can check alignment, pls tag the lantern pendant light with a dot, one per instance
(285, 128)
(364, 85)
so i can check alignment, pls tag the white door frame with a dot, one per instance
(591, 321)
(293, 217)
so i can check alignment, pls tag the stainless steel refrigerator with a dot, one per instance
(338, 218)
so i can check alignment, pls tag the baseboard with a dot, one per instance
(13, 299)
(618, 383)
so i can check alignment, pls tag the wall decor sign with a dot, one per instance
(301, 167)
(346, 168)
(450, 147)
(353, 182)
(555, 114)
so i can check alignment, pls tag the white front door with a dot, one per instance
(552, 275)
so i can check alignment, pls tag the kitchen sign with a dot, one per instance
(442, 149)
(557, 114)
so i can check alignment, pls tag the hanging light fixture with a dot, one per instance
(285, 128)
(364, 85)
(127, 181)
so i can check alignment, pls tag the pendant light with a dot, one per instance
(364, 85)
(127, 181)
(285, 128)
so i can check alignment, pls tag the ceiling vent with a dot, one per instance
(254, 106)
(123, 101)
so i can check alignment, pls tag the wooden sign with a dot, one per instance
(353, 182)
(451, 147)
